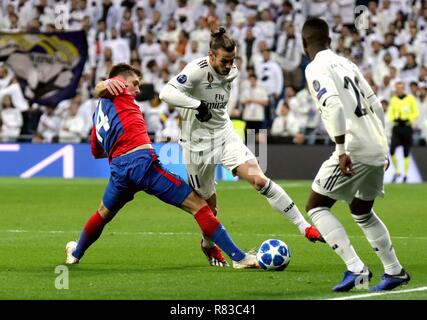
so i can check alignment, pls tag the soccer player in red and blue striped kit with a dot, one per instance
(119, 133)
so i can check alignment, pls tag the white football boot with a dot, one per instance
(248, 262)
(69, 249)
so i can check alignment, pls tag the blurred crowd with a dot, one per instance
(386, 38)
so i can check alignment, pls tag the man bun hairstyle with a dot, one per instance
(221, 40)
(123, 69)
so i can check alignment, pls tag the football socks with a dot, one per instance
(91, 232)
(336, 237)
(379, 238)
(212, 228)
(282, 203)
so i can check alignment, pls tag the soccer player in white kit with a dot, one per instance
(201, 92)
(354, 119)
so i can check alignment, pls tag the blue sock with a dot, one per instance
(224, 241)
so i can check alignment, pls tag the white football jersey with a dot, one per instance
(331, 75)
(199, 81)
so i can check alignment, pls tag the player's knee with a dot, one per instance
(213, 208)
(258, 181)
(308, 206)
(359, 207)
(105, 213)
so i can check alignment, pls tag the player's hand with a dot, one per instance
(114, 86)
(346, 166)
(386, 163)
(203, 114)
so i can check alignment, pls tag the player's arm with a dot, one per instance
(333, 116)
(97, 151)
(177, 92)
(324, 91)
(112, 87)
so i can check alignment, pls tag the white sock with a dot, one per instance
(282, 203)
(335, 235)
(379, 238)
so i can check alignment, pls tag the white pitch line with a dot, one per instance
(160, 233)
(248, 186)
(368, 295)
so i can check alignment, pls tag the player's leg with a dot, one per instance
(278, 199)
(376, 231)
(407, 144)
(174, 190)
(240, 160)
(113, 198)
(329, 186)
(209, 248)
(395, 141)
(201, 177)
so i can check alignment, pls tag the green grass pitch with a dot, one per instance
(151, 250)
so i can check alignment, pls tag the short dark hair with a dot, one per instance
(123, 69)
(316, 32)
(220, 40)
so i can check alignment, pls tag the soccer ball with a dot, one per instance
(273, 254)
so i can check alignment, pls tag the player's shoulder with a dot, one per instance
(196, 68)
(315, 68)
(199, 63)
(318, 64)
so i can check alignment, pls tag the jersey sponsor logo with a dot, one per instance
(182, 78)
(217, 105)
(316, 85)
(210, 80)
(321, 93)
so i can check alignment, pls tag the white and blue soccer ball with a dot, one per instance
(273, 254)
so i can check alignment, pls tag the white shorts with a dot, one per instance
(366, 184)
(201, 165)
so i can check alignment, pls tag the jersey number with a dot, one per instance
(101, 122)
(359, 112)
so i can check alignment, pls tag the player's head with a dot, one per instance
(222, 51)
(315, 36)
(129, 74)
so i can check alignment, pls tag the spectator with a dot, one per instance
(289, 49)
(254, 100)
(72, 125)
(48, 127)
(11, 120)
(154, 110)
(171, 121)
(285, 124)
(270, 76)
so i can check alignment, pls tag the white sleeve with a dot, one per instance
(323, 90)
(333, 117)
(177, 91)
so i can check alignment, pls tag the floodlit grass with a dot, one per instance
(151, 250)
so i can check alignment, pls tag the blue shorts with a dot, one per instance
(142, 171)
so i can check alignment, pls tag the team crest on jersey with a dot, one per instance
(182, 78)
(316, 85)
(229, 86)
(210, 80)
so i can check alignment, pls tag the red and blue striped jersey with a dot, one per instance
(118, 126)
